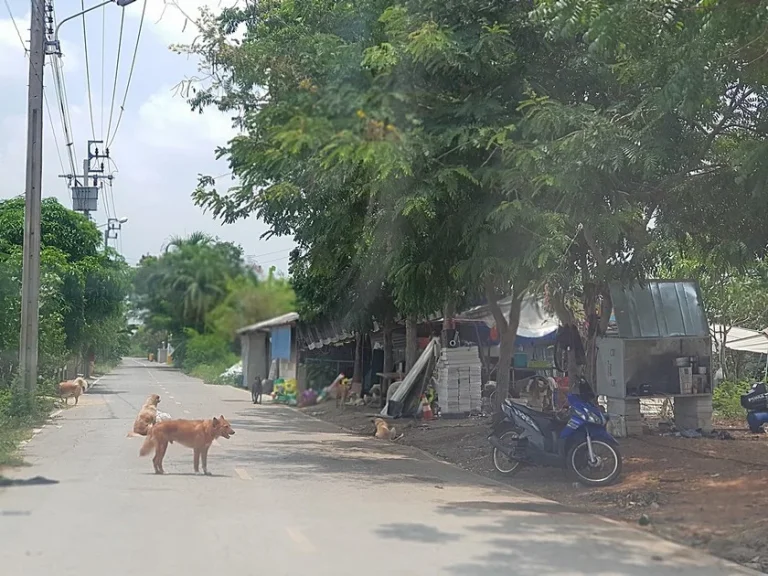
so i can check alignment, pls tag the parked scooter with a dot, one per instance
(755, 402)
(577, 441)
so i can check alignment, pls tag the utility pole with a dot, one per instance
(30, 276)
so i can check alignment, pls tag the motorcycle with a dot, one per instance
(755, 402)
(579, 442)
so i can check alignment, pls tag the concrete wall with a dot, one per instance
(254, 357)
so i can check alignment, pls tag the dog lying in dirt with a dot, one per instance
(146, 417)
(384, 431)
(71, 389)
(195, 434)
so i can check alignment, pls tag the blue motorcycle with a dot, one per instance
(578, 442)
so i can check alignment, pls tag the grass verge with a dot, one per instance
(19, 413)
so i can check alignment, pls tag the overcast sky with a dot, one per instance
(160, 146)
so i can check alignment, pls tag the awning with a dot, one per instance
(742, 339)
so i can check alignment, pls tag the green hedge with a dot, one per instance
(726, 398)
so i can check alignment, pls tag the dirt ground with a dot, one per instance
(703, 492)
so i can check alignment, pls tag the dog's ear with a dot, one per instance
(215, 422)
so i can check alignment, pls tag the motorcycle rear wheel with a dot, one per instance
(613, 471)
(501, 462)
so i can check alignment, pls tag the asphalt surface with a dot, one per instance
(289, 495)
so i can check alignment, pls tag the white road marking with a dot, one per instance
(171, 397)
(56, 413)
(300, 540)
(36, 430)
(243, 474)
(178, 403)
(186, 411)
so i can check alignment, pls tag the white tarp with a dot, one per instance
(741, 339)
(535, 321)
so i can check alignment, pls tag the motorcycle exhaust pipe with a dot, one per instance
(496, 443)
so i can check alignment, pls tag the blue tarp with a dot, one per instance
(281, 343)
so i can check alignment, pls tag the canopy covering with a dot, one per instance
(741, 339)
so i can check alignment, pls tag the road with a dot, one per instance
(289, 496)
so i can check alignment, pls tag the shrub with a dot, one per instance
(726, 398)
(207, 349)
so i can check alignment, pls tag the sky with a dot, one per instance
(161, 145)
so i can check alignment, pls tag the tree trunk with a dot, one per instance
(389, 360)
(449, 326)
(411, 342)
(507, 327)
(357, 372)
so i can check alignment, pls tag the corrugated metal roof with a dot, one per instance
(283, 320)
(659, 309)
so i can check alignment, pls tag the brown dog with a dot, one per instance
(195, 434)
(383, 431)
(146, 417)
(72, 389)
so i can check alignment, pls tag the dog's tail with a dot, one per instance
(82, 382)
(149, 443)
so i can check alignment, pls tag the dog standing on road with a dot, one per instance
(257, 389)
(195, 434)
(71, 389)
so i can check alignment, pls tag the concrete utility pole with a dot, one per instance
(114, 225)
(30, 277)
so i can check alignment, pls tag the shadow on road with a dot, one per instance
(412, 532)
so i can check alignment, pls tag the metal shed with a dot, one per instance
(658, 324)
(268, 341)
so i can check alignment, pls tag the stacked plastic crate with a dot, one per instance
(459, 381)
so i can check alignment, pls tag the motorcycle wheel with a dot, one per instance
(501, 462)
(607, 474)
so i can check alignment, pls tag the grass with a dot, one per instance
(726, 399)
(19, 413)
(211, 373)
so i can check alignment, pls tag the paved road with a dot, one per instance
(289, 496)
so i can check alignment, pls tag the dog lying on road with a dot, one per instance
(195, 434)
(383, 430)
(72, 389)
(146, 417)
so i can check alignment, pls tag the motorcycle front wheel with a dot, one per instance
(603, 471)
(501, 461)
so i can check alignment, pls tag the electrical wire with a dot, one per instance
(60, 95)
(103, 59)
(16, 27)
(53, 131)
(130, 75)
(117, 70)
(88, 72)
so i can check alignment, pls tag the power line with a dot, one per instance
(16, 27)
(130, 75)
(88, 72)
(58, 85)
(53, 131)
(103, 37)
(117, 69)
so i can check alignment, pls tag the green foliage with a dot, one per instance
(196, 294)
(82, 292)
(726, 398)
(250, 299)
(209, 349)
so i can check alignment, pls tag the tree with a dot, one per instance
(82, 289)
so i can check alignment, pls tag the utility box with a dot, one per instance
(85, 198)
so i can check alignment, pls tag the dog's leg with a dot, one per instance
(197, 461)
(77, 397)
(162, 446)
(204, 455)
